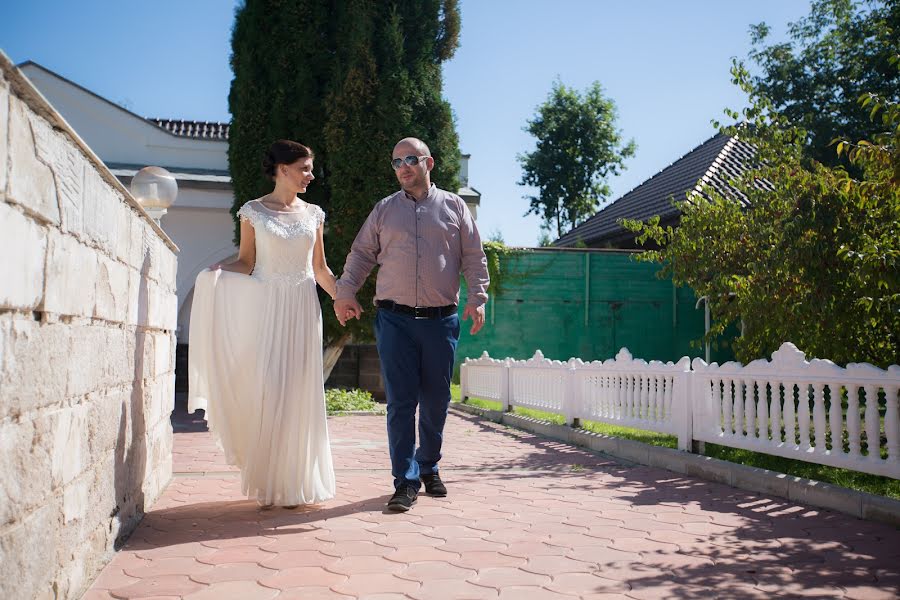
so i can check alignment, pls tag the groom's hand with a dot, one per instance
(345, 310)
(477, 315)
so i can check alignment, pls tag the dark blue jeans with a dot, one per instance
(416, 364)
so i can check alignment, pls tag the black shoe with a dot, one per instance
(434, 486)
(403, 499)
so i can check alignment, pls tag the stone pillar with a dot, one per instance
(87, 321)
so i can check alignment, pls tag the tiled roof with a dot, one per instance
(203, 130)
(713, 162)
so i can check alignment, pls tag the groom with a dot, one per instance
(422, 238)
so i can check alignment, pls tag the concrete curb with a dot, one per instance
(359, 413)
(796, 489)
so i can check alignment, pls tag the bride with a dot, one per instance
(255, 355)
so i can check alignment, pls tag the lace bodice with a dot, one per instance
(284, 241)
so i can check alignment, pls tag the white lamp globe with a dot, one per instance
(155, 189)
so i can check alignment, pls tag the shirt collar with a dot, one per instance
(430, 194)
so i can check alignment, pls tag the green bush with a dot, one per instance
(338, 401)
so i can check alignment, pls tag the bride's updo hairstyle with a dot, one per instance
(283, 152)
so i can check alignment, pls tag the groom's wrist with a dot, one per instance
(344, 294)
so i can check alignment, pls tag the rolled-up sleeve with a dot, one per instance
(474, 262)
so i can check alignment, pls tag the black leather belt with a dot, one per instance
(419, 312)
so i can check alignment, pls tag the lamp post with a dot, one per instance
(155, 189)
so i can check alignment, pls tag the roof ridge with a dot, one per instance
(714, 167)
(216, 130)
(598, 214)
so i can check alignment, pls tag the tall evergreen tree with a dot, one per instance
(352, 78)
(280, 62)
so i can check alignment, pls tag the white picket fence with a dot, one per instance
(782, 407)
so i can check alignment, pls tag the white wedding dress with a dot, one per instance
(255, 362)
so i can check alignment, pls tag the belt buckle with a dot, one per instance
(420, 312)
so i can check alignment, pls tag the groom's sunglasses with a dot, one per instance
(409, 160)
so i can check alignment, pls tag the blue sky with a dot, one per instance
(664, 63)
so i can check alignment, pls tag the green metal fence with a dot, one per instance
(588, 304)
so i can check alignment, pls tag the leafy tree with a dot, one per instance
(349, 78)
(835, 54)
(578, 148)
(813, 258)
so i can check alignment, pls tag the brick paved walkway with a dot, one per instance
(526, 518)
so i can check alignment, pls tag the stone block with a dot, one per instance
(761, 481)
(169, 317)
(163, 355)
(85, 367)
(154, 305)
(101, 204)
(671, 460)
(137, 301)
(55, 149)
(69, 453)
(31, 355)
(98, 497)
(823, 495)
(4, 132)
(25, 480)
(93, 552)
(137, 249)
(31, 182)
(27, 568)
(171, 274)
(880, 508)
(71, 271)
(633, 451)
(75, 501)
(111, 292)
(602, 443)
(22, 269)
(120, 365)
(123, 243)
(73, 199)
(710, 469)
(143, 356)
(163, 400)
(105, 421)
(157, 250)
(153, 399)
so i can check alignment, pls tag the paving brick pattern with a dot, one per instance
(526, 518)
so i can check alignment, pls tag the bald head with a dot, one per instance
(412, 164)
(419, 147)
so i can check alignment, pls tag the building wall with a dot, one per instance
(120, 136)
(204, 236)
(87, 319)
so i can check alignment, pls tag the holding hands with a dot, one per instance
(345, 310)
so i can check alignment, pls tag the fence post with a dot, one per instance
(463, 382)
(572, 397)
(684, 409)
(504, 386)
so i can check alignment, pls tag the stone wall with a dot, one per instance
(358, 367)
(87, 320)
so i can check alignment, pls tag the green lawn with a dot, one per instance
(883, 486)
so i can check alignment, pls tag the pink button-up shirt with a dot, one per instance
(421, 248)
